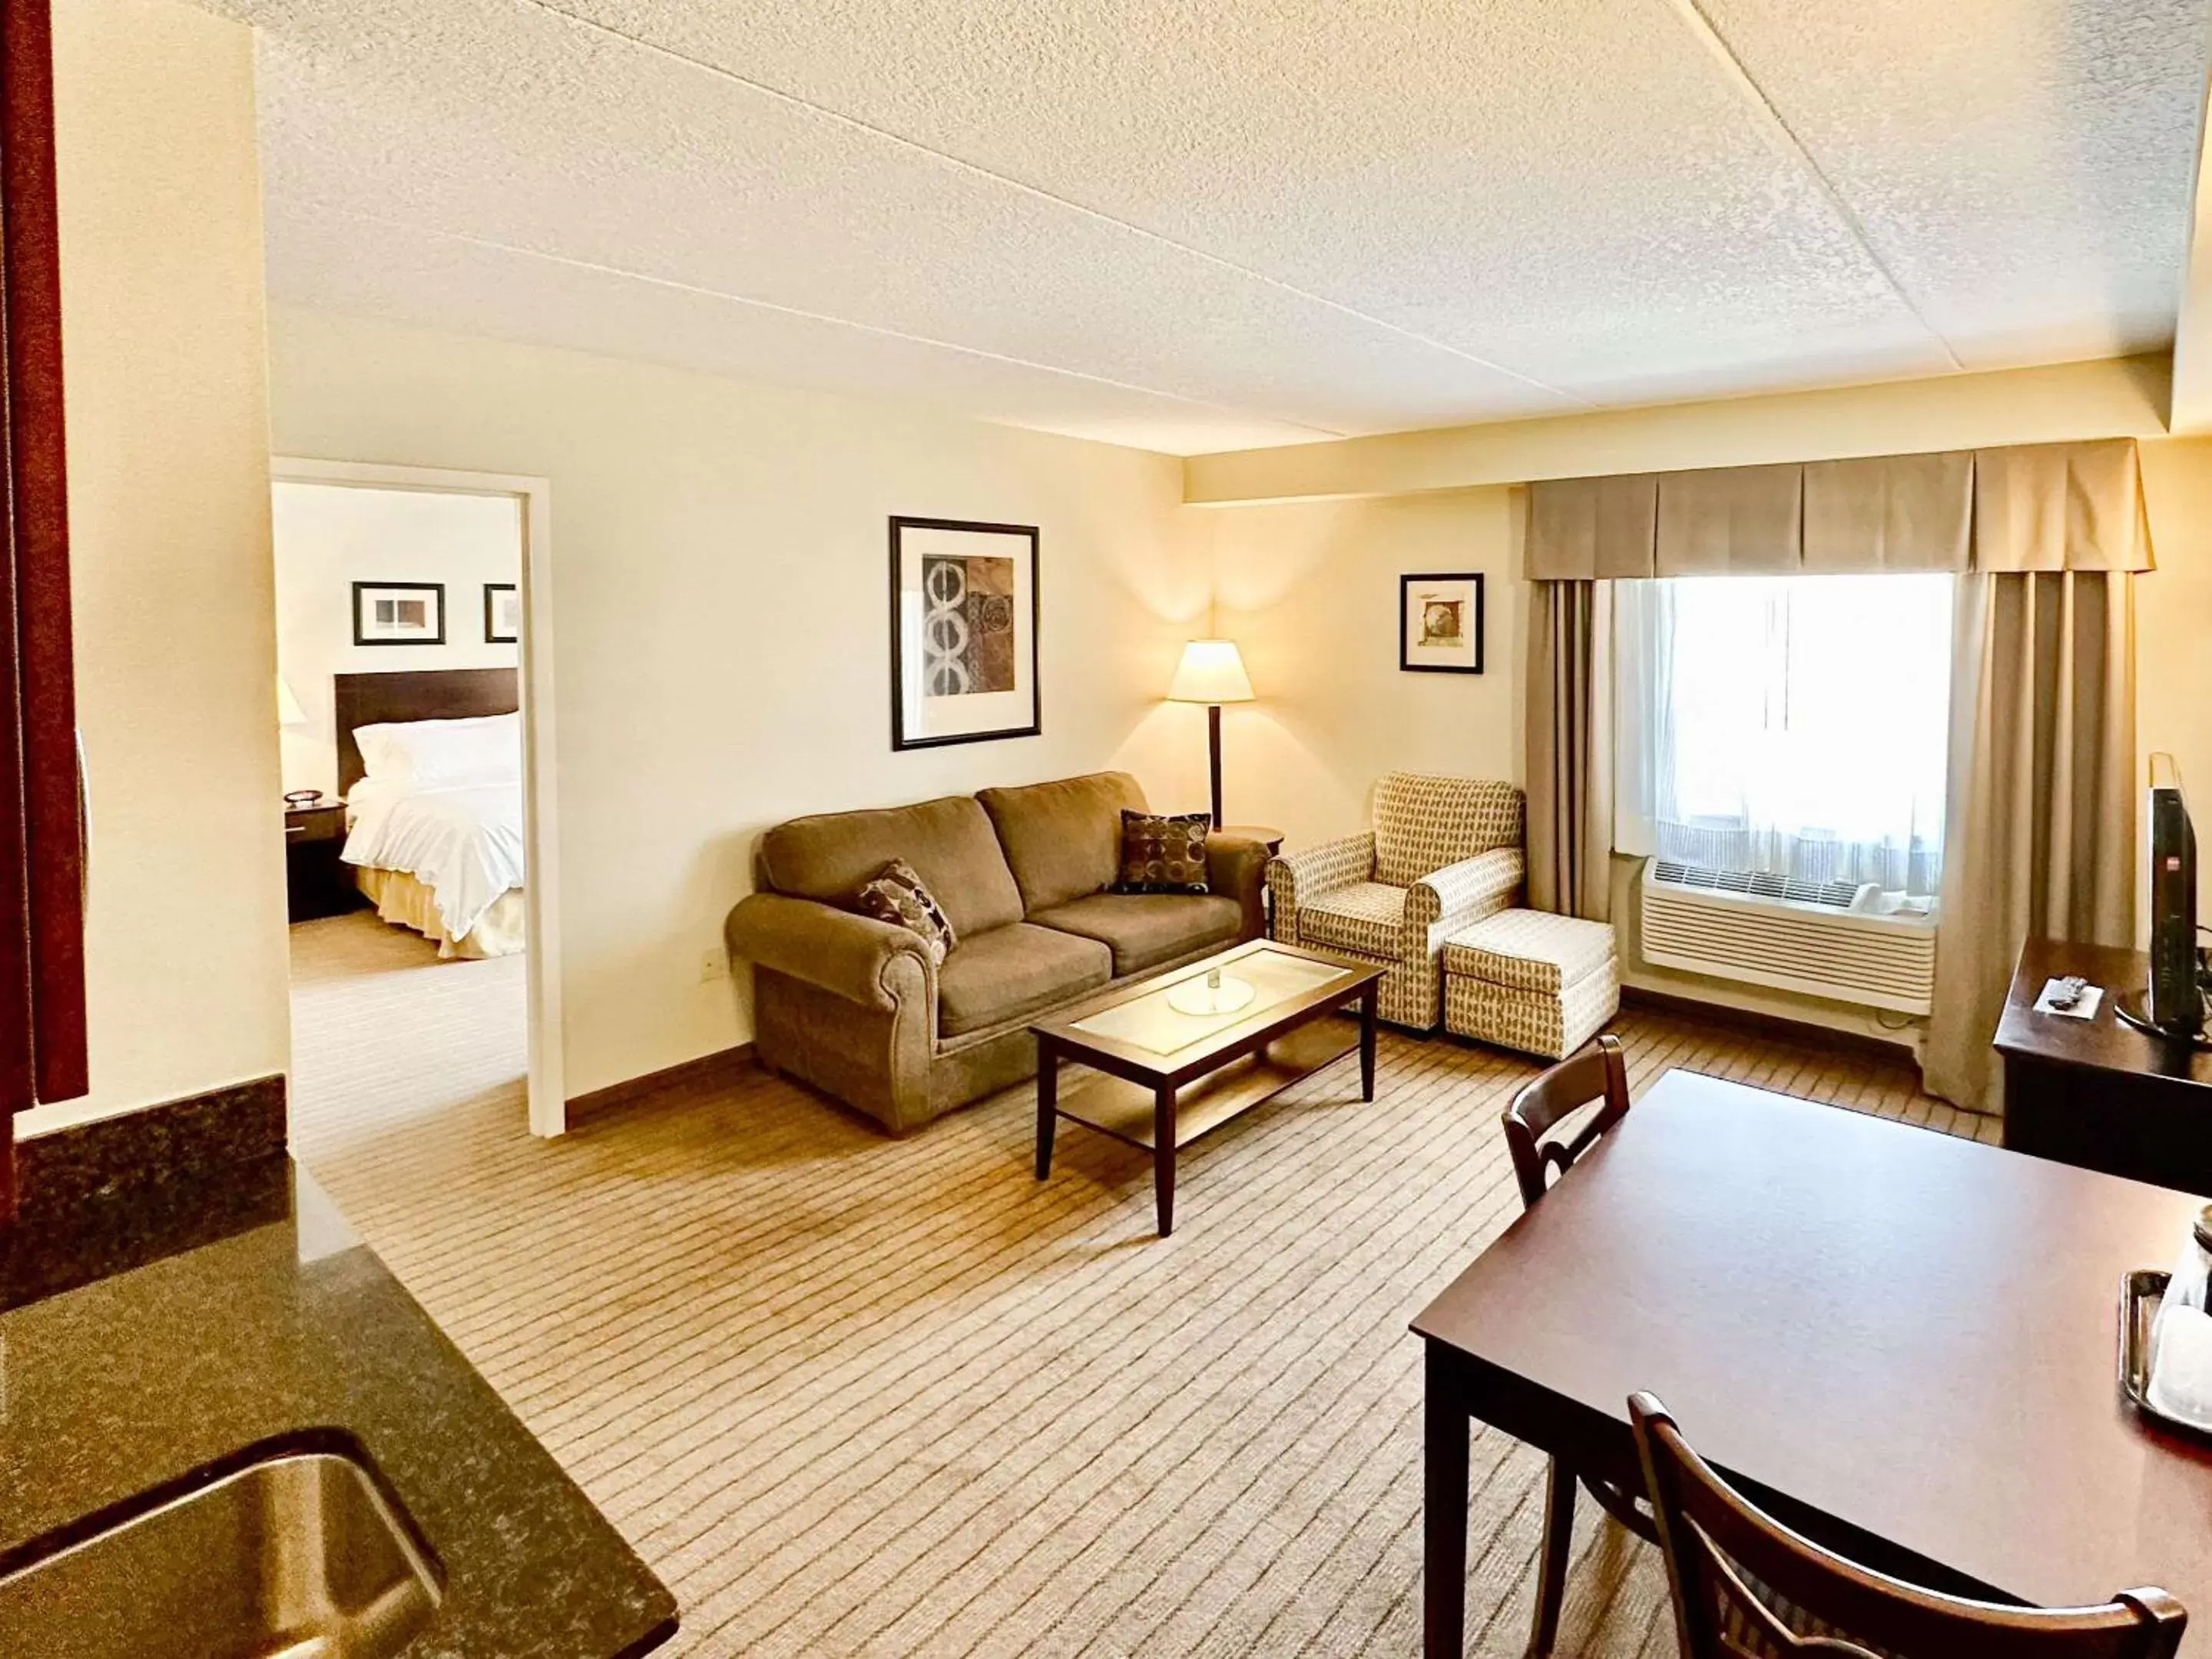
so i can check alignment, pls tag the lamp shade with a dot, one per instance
(288, 712)
(1210, 672)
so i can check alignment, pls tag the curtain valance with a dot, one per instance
(2037, 507)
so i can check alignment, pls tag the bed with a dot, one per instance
(430, 765)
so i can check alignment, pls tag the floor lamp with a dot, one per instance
(1212, 673)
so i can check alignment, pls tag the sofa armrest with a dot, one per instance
(1236, 867)
(1312, 870)
(1463, 892)
(865, 961)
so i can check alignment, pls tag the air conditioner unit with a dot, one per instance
(1822, 939)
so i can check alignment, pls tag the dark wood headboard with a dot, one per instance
(438, 694)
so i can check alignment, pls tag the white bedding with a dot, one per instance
(464, 844)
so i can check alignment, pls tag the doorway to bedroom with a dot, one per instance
(410, 675)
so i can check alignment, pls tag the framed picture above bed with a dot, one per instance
(502, 613)
(964, 632)
(399, 613)
(1440, 624)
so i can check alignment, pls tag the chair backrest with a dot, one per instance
(1597, 1071)
(1745, 1587)
(1423, 823)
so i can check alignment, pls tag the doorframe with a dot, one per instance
(549, 1102)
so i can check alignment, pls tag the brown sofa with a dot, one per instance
(854, 1005)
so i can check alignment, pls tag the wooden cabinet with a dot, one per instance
(317, 882)
(2098, 1093)
(42, 813)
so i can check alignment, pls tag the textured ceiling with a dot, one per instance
(1194, 227)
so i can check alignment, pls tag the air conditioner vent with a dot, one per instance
(1835, 894)
(1798, 936)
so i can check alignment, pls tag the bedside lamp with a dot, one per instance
(1211, 672)
(288, 712)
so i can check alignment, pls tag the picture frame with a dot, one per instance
(1440, 622)
(964, 593)
(502, 613)
(399, 613)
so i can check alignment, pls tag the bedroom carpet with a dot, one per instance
(853, 1395)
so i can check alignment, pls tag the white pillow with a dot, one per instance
(444, 754)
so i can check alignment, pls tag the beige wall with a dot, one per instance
(721, 622)
(2173, 630)
(1310, 591)
(165, 358)
(2112, 398)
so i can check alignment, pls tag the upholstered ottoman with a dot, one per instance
(1531, 980)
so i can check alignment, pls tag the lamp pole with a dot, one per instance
(1213, 752)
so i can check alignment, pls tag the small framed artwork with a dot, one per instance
(1440, 624)
(502, 613)
(399, 613)
(964, 632)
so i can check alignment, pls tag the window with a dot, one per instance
(1793, 725)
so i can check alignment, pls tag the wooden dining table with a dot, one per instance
(1900, 1342)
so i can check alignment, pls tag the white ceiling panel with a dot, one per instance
(443, 282)
(1290, 219)
(2023, 166)
(1562, 186)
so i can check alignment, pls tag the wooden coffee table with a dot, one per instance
(1167, 1076)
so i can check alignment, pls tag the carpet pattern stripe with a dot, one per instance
(857, 1396)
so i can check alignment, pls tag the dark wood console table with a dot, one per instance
(2098, 1093)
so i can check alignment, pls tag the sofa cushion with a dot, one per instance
(1529, 950)
(996, 976)
(1063, 839)
(1163, 852)
(830, 856)
(1367, 917)
(1144, 929)
(902, 898)
(1422, 823)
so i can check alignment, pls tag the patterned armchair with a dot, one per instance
(1444, 852)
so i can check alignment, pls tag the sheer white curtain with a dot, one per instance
(1795, 724)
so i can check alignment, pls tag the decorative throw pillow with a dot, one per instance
(1162, 853)
(898, 897)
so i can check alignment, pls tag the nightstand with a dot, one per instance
(316, 882)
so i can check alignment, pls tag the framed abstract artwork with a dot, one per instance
(399, 613)
(964, 632)
(1440, 624)
(502, 613)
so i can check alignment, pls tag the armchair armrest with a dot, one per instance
(1312, 870)
(1236, 867)
(1463, 892)
(856, 958)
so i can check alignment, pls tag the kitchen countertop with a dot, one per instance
(141, 1344)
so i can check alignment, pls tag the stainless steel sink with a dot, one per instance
(297, 1555)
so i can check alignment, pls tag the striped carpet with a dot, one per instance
(853, 1395)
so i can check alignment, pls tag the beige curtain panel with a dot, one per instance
(1569, 760)
(1581, 530)
(1731, 521)
(2061, 507)
(1897, 513)
(2039, 507)
(2040, 838)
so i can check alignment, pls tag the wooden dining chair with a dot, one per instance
(1597, 1075)
(1745, 1587)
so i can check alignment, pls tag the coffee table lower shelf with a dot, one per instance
(1114, 1106)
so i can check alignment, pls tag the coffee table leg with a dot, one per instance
(1367, 1000)
(1164, 1158)
(1048, 1098)
(1444, 1514)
